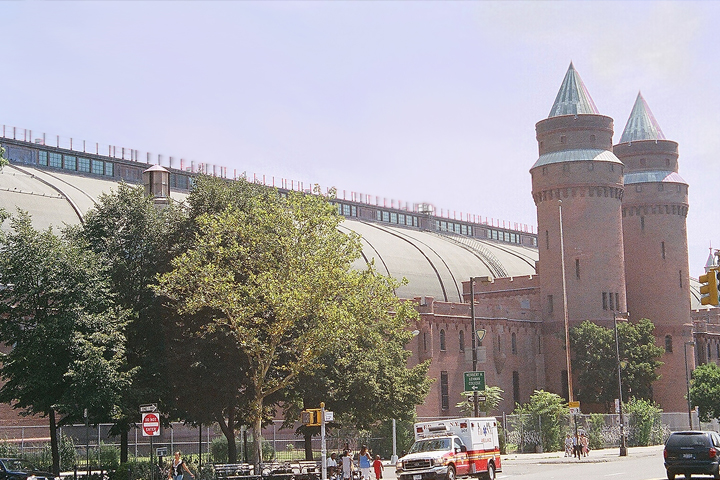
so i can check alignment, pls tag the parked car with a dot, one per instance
(692, 452)
(19, 469)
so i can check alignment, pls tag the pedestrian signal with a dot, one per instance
(312, 417)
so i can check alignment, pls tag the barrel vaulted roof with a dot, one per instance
(434, 263)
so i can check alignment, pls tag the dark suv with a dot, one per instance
(18, 469)
(692, 452)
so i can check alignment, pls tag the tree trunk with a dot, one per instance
(257, 439)
(228, 429)
(124, 443)
(54, 445)
(307, 437)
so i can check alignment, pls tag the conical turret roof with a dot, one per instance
(573, 98)
(710, 261)
(642, 124)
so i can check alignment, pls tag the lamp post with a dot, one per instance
(623, 440)
(687, 384)
(480, 334)
(565, 307)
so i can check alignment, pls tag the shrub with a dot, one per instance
(644, 422)
(542, 420)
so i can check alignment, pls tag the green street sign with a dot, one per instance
(474, 381)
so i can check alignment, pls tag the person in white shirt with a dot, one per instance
(332, 465)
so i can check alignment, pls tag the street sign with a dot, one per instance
(474, 381)
(149, 408)
(329, 416)
(161, 451)
(574, 408)
(150, 425)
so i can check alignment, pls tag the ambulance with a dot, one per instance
(451, 448)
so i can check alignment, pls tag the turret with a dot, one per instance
(577, 175)
(655, 207)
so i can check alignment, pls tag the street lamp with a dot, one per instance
(687, 384)
(565, 306)
(480, 334)
(623, 440)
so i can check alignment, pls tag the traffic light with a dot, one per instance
(312, 417)
(709, 287)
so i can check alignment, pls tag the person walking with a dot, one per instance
(178, 466)
(378, 467)
(365, 461)
(347, 465)
(568, 445)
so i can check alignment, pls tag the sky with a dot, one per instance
(431, 102)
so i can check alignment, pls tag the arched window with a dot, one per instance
(442, 340)
(513, 343)
(668, 343)
(461, 339)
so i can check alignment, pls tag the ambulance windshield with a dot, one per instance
(431, 445)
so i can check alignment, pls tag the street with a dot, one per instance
(642, 463)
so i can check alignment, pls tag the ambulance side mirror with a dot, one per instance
(462, 448)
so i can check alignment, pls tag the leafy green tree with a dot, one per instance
(136, 241)
(3, 160)
(66, 334)
(364, 378)
(277, 273)
(705, 391)
(645, 422)
(545, 413)
(493, 397)
(594, 356)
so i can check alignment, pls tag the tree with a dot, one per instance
(66, 335)
(705, 391)
(493, 397)
(594, 356)
(276, 272)
(3, 159)
(544, 414)
(136, 241)
(364, 378)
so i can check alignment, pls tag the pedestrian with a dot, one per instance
(364, 462)
(576, 446)
(347, 465)
(378, 466)
(585, 441)
(568, 445)
(332, 465)
(176, 472)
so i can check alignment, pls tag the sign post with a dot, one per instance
(150, 428)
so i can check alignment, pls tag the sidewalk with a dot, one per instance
(595, 456)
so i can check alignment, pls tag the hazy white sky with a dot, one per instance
(414, 101)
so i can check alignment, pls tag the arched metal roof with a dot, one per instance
(435, 264)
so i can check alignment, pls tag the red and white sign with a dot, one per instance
(150, 425)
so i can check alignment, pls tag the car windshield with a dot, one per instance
(430, 445)
(17, 464)
(687, 440)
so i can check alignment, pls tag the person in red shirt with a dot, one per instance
(378, 466)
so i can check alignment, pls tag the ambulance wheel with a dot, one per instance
(451, 473)
(490, 475)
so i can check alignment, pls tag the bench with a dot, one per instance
(237, 471)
